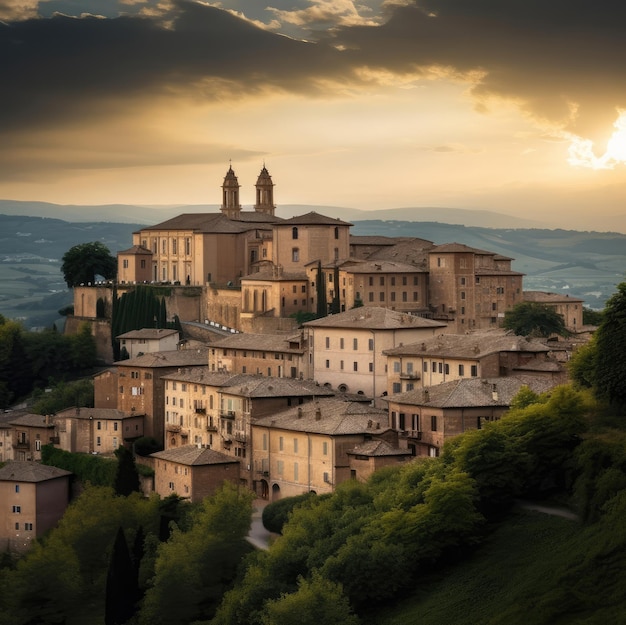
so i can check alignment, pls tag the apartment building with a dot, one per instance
(305, 448)
(33, 498)
(346, 350)
(450, 357)
(29, 433)
(148, 340)
(426, 417)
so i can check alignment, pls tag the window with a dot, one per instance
(355, 343)
(446, 369)
(381, 296)
(371, 296)
(327, 342)
(17, 488)
(474, 371)
(433, 423)
(341, 343)
(434, 367)
(187, 246)
(98, 442)
(355, 365)
(396, 387)
(295, 471)
(396, 366)
(280, 467)
(328, 364)
(371, 367)
(37, 445)
(336, 232)
(295, 255)
(462, 294)
(264, 441)
(281, 441)
(294, 233)
(325, 448)
(115, 424)
(17, 509)
(382, 280)
(295, 445)
(461, 370)
(370, 345)
(462, 281)
(125, 263)
(341, 364)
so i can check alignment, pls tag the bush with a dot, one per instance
(275, 514)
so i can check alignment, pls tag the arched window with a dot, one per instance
(336, 232)
(294, 233)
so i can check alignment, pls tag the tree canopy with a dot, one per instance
(534, 319)
(83, 262)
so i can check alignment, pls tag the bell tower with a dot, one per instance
(264, 193)
(230, 195)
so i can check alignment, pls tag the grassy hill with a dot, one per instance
(534, 569)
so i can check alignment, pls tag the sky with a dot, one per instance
(515, 106)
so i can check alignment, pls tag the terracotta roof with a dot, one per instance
(172, 358)
(375, 318)
(378, 449)
(472, 392)
(215, 222)
(314, 219)
(148, 333)
(329, 416)
(470, 346)
(381, 266)
(446, 248)
(258, 342)
(194, 456)
(23, 471)
(544, 297)
(412, 251)
(270, 274)
(265, 386)
(494, 271)
(32, 420)
(102, 414)
(136, 249)
(200, 375)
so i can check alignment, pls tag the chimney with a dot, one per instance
(318, 413)
(494, 392)
(426, 396)
(299, 412)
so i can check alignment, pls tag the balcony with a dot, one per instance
(200, 410)
(227, 414)
(406, 375)
(211, 428)
(172, 427)
(240, 436)
(416, 434)
(22, 444)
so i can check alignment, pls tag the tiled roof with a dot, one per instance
(544, 297)
(270, 274)
(201, 375)
(470, 346)
(148, 333)
(32, 420)
(102, 414)
(216, 222)
(378, 449)
(314, 219)
(194, 456)
(412, 251)
(136, 249)
(375, 318)
(28, 471)
(472, 392)
(329, 416)
(446, 248)
(264, 386)
(381, 266)
(259, 342)
(172, 358)
(494, 271)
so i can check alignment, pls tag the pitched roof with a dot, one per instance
(314, 219)
(375, 318)
(378, 449)
(450, 248)
(472, 392)
(259, 342)
(469, 346)
(29, 471)
(216, 222)
(136, 249)
(192, 455)
(330, 416)
(101, 414)
(264, 386)
(148, 333)
(380, 266)
(544, 297)
(32, 420)
(172, 358)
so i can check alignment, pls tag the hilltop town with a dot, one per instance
(306, 357)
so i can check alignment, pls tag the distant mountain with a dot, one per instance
(125, 213)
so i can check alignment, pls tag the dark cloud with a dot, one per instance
(552, 58)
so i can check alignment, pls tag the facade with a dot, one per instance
(372, 455)
(96, 430)
(426, 417)
(192, 473)
(148, 340)
(274, 355)
(305, 448)
(450, 357)
(139, 386)
(217, 410)
(33, 498)
(346, 350)
(30, 433)
(570, 308)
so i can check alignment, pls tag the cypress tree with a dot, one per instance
(121, 586)
(126, 477)
(336, 305)
(320, 285)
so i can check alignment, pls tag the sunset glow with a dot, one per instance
(581, 153)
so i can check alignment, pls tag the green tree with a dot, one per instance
(582, 365)
(16, 378)
(320, 287)
(316, 601)
(610, 340)
(126, 477)
(592, 317)
(64, 395)
(83, 262)
(534, 319)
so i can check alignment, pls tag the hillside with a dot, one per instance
(533, 568)
(583, 264)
